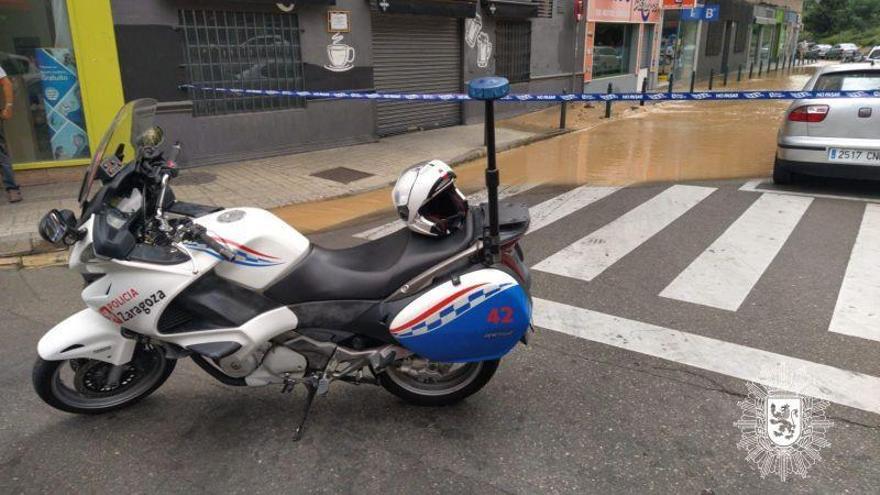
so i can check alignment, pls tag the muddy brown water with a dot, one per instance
(673, 141)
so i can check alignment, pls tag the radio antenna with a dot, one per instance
(489, 89)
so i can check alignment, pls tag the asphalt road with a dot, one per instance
(610, 409)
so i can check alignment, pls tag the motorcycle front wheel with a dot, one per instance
(88, 386)
(429, 383)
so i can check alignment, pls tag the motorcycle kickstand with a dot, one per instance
(311, 390)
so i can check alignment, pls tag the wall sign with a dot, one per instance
(338, 21)
(340, 54)
(708, 13)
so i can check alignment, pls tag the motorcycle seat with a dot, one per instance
(373, 270)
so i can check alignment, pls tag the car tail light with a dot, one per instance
(809, 113)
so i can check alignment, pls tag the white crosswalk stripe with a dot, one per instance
(474, 199)
(724, 274)
(588, 257)
(834, 384)
(565, 204)
(857, 311)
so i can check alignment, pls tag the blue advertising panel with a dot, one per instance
(711, 13)
(62, 103)
(694, 14)
(708, 13)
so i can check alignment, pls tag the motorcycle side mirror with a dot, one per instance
(59, 226)
(152, 137)
(150, 141)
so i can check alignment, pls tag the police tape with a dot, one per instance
(666, 96)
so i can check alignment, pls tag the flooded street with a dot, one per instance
(671, 141)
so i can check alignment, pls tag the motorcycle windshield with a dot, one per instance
(118, 146)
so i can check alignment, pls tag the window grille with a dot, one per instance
(513, 50)
(545, 9)
(242, 50)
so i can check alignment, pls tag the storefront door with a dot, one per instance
(53, 122)
(411, 54)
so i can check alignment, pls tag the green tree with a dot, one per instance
(836, 21)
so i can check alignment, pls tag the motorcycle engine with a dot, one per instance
(282, 361)
(269, 364)
(240, 367)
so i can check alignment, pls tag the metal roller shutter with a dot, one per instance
(416, 54)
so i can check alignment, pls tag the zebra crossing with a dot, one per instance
(720, 278)
(724, 274)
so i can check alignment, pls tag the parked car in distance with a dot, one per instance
(818, 51)
(606, 60)
(874, 54)
(841, 51)
(832, 137)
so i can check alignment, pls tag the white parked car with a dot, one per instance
(832, 137)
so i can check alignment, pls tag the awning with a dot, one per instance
(445, 8)
(511, 8)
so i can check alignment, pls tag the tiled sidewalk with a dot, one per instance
(265, 183)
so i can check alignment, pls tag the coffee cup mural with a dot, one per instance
(341, 55)
(472, 28)
(476, 38)
(484, 50)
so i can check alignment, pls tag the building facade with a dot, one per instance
(622, 44)
(428, 46)
(742, 34)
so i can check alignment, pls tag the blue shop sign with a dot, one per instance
(708, 13)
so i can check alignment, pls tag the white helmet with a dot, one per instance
(428, 201)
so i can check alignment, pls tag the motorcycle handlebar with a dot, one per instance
(201, 234)
(222, 250)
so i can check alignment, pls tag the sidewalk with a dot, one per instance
(265, 183)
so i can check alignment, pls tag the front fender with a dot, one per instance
(87, 335)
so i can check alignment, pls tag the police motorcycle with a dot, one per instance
(426, 312)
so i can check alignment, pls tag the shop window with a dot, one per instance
(742, 36)
(714, 38)
(513, 50)
(241, 50)
(612, 49)
(36, 53)
(647, 46)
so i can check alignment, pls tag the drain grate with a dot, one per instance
(187, 178)
(342, 175)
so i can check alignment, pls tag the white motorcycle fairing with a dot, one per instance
(134, 294)
(87, 335)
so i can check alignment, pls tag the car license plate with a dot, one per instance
(865, 157)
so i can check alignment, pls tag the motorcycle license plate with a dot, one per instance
(847, 155)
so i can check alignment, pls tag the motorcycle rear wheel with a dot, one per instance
(79, 385)
(428, 383)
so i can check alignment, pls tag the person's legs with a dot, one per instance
(6, 165)
(6, 170)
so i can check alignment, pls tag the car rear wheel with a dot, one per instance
(781, 175)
